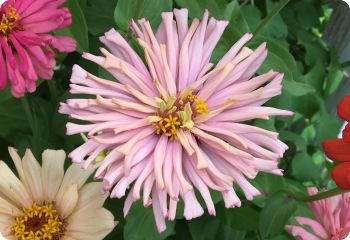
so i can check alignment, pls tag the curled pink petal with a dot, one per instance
(171, 125)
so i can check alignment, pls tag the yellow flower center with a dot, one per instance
(202, 107)
(178, 112)
(7, 21)
(39, 222)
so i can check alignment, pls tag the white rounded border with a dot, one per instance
(1, 237)
(346, 1)
(1, 2)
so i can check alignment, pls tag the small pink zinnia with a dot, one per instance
(172, 123)
(332, 219)
(25, 43)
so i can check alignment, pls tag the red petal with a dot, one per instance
(346, 133)
(341, 175)
(337, 149)
(344, 108)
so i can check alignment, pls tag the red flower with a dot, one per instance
(339, 149)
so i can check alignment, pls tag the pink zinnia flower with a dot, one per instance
(332, 219)
(172, 123)
(25, 43)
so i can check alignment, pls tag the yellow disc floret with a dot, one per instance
(39, 222)
(202, 107)
(8, 20)
(178, 112)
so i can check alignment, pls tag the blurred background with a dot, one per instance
(308, 40)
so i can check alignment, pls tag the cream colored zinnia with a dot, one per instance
(44, 202)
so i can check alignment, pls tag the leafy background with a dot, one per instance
(313, 85)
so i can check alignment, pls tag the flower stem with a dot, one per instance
(28, 113)
(274, 12)
(136, 16)
(138, 8)
(52, 89)
(321, 195)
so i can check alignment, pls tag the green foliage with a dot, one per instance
(78, 29)
(275, 214)
(312, 79)
(141, 225)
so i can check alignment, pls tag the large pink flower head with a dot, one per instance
(25, 43)
(332, 219)
(172, 123)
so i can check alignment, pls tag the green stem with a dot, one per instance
(274, 12)
(321, 195)
(138, 8)
(28, 113)
(52, 89)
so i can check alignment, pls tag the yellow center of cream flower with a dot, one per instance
(178, 112)
(39, 222)
(8, 20)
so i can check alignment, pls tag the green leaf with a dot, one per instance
(304, 167)
(275, 62)
(236, 17)
(278, 58)
(149, 9)
(298, 89)
(99, 16)
(269, 184)
(294, 138)
(335, 74)
(78, 29)
(196, 8)
(5, 95)
(226, 225)
(275, 214)
(140, 224)
(252, 16)
(228, 233)
(12, 119)
(276, 28)
(328, 126)
(306, 14)
(244, 218)
(204, 227)
(271, 14)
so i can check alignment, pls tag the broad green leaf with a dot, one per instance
(276, 28)
(269, 184)
(78, 30)
(297, 89)
(304, 167)
(335, 74)
(244, 218)
(271, 15)
(12, 119)
(294, 138)
(306, 14)
(140, 224)
(275, 62)
(204, 228)
(278, 58)
(228, 233)
(224, 225)
(5, 95)
(196, 8)
(236, 17)
(149, 9)
(252, 15)
(328, 126)
(99, 16)
(278, 209)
